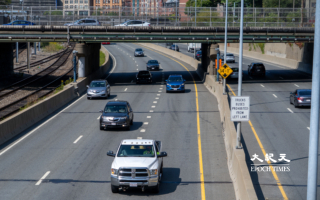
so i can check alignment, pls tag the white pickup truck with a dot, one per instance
(137, 163)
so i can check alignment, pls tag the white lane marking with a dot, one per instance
(137, 69)
(250, 77)
(308, 128)
(157, 97)
(143, 130)
(130, 56)
(77, 139)
(155, 102)
(125, 89)
(148, 116)
(296, 85)
(146, 123)
(137, 65)
(99, 117)
(153, 106)
(135, 61)
(160, 88)
(280, 77)
(151, 111)
(159, 91)
(43, 177)
(290, 110)
(275, 95)
(262, 85)
(158, 94)
(28, 134)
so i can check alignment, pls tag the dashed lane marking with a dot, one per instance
(143, 130)
(146, 123)
(125, 89)
(153, 106)
(158, 94)
(43, 177)
(148, 117)
(296, 85)
(157, 97)
(308, 128)
(151, 111)
(155, 102)
(290, 110)
(262, 85)
(275, 95)
(77, 139)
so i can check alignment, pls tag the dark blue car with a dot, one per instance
(175, 83)
(21, 23)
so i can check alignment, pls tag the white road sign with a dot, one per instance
(240, 108)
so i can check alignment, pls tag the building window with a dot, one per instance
(85, 1)
(81, 6)
(86, 7)
(66, 2)
(75, 1)
(71, 1)
(75, 6)
(81, 1)
(66, 6)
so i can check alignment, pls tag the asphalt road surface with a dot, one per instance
(280, 128)
(64, 156)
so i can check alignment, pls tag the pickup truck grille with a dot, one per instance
(133, 172)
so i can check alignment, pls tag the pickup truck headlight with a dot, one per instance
(154, 172)
(114, 171)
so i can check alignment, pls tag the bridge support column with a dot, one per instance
(6, 59)
(213, 57)
(205, 60)
(88, 58)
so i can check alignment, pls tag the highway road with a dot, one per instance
(64, 156)
(280, 128)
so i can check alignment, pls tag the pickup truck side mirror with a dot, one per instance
(110, 153)
(162, 154)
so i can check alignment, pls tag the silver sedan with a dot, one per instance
(98, 89)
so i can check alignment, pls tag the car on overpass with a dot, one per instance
(138, 52)
(116, 114)
(256, 69)
(20, 23)
(153, 65)
(137, 163)
(300, 97)
(144, 76)
(84, 22)
(134, 23)
(98, 89)
(175, 83)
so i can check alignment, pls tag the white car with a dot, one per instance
(137, 163)
(134, 23)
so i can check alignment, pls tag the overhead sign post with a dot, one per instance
(240, 109)
(225, 71)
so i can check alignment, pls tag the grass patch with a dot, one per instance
(51, 46)
(102, 58)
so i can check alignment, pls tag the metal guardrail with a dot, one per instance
(164, 16)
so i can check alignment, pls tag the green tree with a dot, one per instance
(283, 3)
(247, 3)
(5, 2)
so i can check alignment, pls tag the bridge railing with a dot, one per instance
(163, 16)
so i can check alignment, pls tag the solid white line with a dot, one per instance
(275, 95)
(146, 123)
(143, 130)
(151, 111)
(290, 110)
(28, 134)
(148, 116)
(153, 106)
(115, 62)
(308, 128)
(125, 89)
(262, 85)
(296, 85)
(43, 177)
(155, 102)
(77, 139)
(99, 117)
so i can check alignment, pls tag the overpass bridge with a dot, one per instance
(152, 34)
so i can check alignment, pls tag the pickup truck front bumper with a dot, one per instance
(141, 181)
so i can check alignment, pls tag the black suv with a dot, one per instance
(144, 76)
(256, 69)
(116, 114)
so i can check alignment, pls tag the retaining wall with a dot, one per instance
(17, 123)
(238, 170)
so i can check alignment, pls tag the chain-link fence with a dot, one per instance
(164, 16)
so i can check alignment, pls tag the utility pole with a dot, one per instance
(314, 115)
(225, 43)
(238, 146)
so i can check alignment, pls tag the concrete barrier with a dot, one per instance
(22, 120)
(238, 170)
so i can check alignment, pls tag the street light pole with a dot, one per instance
(314, 115)
(225, 44)
(74, 65)
(240, 74)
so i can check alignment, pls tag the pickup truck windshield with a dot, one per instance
(136, 151)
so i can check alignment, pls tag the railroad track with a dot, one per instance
(39, 62)
(13, 97)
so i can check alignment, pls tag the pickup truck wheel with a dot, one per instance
(114, 189)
